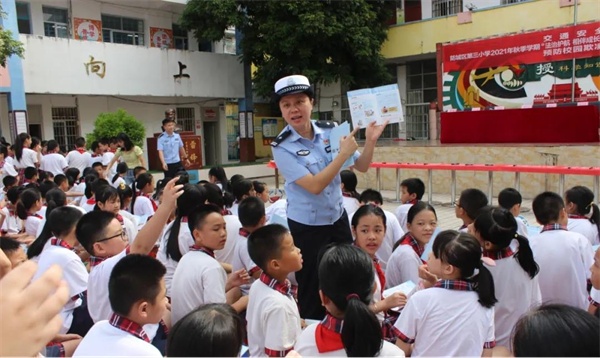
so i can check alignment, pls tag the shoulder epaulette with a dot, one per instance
(325, 124)
(162, 134)
(280, 138)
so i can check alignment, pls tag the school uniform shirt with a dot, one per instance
(79, 188)
(521, 226)
(401, 215)
(118, 182)
(379, 287)
(516, 292)
(564, 258)
(89, 204)
(404, 263)
(32, 223)
(585, 227)
(79, 159)
(75, 275)
(350, 204)
(117, 337)
(233, 226)
(43, 222)
(446, 322)
(95, 158)
(6, 169)
(28, 159)
(54, 163)
(143, 206)
(234, 208)
(242, 260)
(595, 297)
(273, 318)
(12, 223)
(278, 208)
(185, 240)
(325, 340)
(198, 279)
(106, 159)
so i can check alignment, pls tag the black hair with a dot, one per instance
(95, 186)
(214, 195)
(137, 170)
(264, 244)
(498, 226)
(89, 181)
(9, 180)
(509, 197)
(463, 251)
(127, 143)
(471, 201)
(80, 142)
(59, 179)
(193, 196)
(234, 179)
(91, 228)
(125, 192)
(27, 198)
(417, 208)
(121, 169)
(55, 198)
(219, 173)
(94, 145)
(168, 120)
(19, 144)
(46, 186)
(72, 175)
(30, 172)
(251, 211)
(198, 216)
(547, 207)
(9, 245)
(346, 277)
(365, 210)
(134, 278)
(160, 186)
(104, 141)
(60, 222)
(583, 198)
(4, 150)
(104, 194)
(35, 141)
(202, 182)
(44, 176)
(350, 182)
(87, 171)
(96, 164)
(259, 186)
(556, 330)
(414, 186)
(138, 184)
(14, 193)
(51, 145)
(241, 188)
(211, 330)
(371, 196)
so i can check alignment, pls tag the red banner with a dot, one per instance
(557, 44)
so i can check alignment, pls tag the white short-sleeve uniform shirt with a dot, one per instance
(401, 215)
(143, 206)
(403, 266)
(185, 240)
(78, 159)
(28, 159)
(233, 226)
(54, 163)
(242, 260)
(105, 340)
(32, 223)
(585, 228)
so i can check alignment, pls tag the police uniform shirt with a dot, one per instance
(297, 157)
(170, 145)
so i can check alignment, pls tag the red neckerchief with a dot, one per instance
(413, 202)
(80, 150)
(225, 212)
(409, 240)
(458, 285)
(380, 275)
(576, 216)
(500, 254)
(128, 326)
(552, 227)
(285, 288)
(120, 218)
(59, 242)
(95, 260)
(209, 252)
(328, 335)
(243, 232)
(154, 206)
(462, 227)
(94, 155)
(35, 215)
(91, 201)
(347, 195)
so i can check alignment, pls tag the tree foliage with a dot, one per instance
(110, 124)
(8, 45)
(325, 40)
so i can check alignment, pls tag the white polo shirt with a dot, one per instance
(273, 320)
(32, 223)
(143, 206)
(350, 204)
(564, 258)
(446, 323)
(54, 163)
(78, 160)
(198, 279)
(401, 215)
(521, 226)
(12, 223)
(185, 241)
(118, 182)
(403, 266)
(306, 346)
(88, 205)
(105, 340)
(95, 159)
(106, 158)
(233, 226)
(28, 159)
(242, 260)
(585, 228)
(7, 169)
(74, 273)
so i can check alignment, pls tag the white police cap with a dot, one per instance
(292, 84)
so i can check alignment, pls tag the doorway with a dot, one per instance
(211, 143)
(35, 130)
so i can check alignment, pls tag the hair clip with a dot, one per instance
(516, 235)
(590, 204)
(122, 186)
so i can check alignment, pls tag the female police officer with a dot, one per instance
(316, 216)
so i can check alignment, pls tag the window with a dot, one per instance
(186, 118)
(446, 7)
(23, 18)
(421, 83)
(56, 22)
(122, 30)
(205, 45)
(65, 122)
(180, 36)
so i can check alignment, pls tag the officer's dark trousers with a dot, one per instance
(312, 240)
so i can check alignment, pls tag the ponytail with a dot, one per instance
(59, 223)
(139, 183)
(115, 177)
(525, 257)
(361, 332)
(193, 195)
(595, 218)
(26, 200)
(583, 198)
(485, 286)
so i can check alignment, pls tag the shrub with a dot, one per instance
(110, 124)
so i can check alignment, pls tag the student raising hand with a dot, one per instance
(30, 312)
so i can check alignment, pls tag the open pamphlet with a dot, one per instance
(408, 288)
(375, 105)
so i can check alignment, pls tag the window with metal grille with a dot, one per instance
(65, 123)
(186, 118)
(56, 22)
(446, 7)
(180, 37)
(122, 30)
(23, 18)
(421, 89)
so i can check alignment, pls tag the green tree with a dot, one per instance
(325, 40)
(8, 45)
(110, 124)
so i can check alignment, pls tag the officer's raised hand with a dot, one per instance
(373, 131)
(348, 144)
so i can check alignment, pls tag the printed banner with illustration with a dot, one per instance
(87, 29)
(523, 69)
(161, 38)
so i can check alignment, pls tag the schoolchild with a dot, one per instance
(117, 179)
(262, 190)
(53, 161)
(30, 202)
(564, 256)
(515, 273)
(199, 277)
(584, 215)
(241, 190)
(12, 225)
(412, 191)
(80, 157)
(272, 314)
(31, 176)
(406, 259)
(350, 196)
(594, 298)
(141, 203)
(511, 200)
(92, 187)
(468, 205)
(136, 291)
(350, 328)
(108, 199)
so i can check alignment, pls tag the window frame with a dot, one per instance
(55, 23)
(139, 37)
(28, 6)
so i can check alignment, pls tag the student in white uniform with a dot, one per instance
(350, 327)
(468, 205)
(349, 194)
(393, 231)
(511, 200)
(107, 199)
(455, 315)
(12, 225)
(412, 191)
(515, 273)
(80, 157)
(407, 256)
(177, 239)
(272, 314)
(55, 247)
(584, 215)
(368, 228)
(241, 190)
(564, 257)
(6, 168)
(142, 203)
(30, 202)
(55, 198)
(117, 179)
(595, 279)
(199, 277)
(137, 294)
(24, 156)
(214, 196)
(53, 162)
